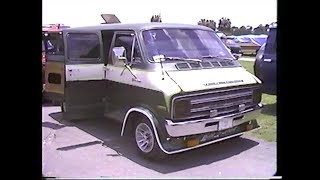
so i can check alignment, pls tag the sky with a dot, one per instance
(88, 12)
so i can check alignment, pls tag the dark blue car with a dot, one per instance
(265, 67)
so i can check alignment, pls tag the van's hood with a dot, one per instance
(194, 80)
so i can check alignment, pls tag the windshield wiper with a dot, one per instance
(217, 57)
(182, 59)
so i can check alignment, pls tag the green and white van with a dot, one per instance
(173, 87)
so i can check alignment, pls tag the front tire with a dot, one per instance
(145, 140)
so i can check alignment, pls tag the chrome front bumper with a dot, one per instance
(186, 128)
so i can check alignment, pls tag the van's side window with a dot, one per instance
(53, 43)
(83, 46)
(126, 41)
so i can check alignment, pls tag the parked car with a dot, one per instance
(172, 87)
(233, 46)
(247, 46)
(250, 44)
(265, 67)
(258, 39)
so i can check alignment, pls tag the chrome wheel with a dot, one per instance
(144, 137)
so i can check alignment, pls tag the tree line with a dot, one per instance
(225, 27)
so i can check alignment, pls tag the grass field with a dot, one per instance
(268, 118)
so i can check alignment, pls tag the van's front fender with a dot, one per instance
(158, 128)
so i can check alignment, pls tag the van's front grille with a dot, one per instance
(213, 103)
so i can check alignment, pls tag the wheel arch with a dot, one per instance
(141, 111)
(138, 111)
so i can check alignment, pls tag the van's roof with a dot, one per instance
(135, 26)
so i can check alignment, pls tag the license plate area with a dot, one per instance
(225, 123)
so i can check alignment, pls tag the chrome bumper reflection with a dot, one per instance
(178, 129)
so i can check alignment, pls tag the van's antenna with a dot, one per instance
(161, 59)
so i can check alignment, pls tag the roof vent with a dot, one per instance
(110, 19)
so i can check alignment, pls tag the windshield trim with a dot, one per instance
(143, 47)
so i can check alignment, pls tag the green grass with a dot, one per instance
(268, 117)
(248, 65)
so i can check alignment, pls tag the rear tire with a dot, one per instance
(145, 140)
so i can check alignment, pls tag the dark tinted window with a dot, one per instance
(54, 43)
(271, 45)
(85, 46)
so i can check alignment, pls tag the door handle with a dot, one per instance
(267, 60)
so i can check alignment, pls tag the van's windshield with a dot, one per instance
(184, 44)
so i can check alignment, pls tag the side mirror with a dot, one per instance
(120, 54)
